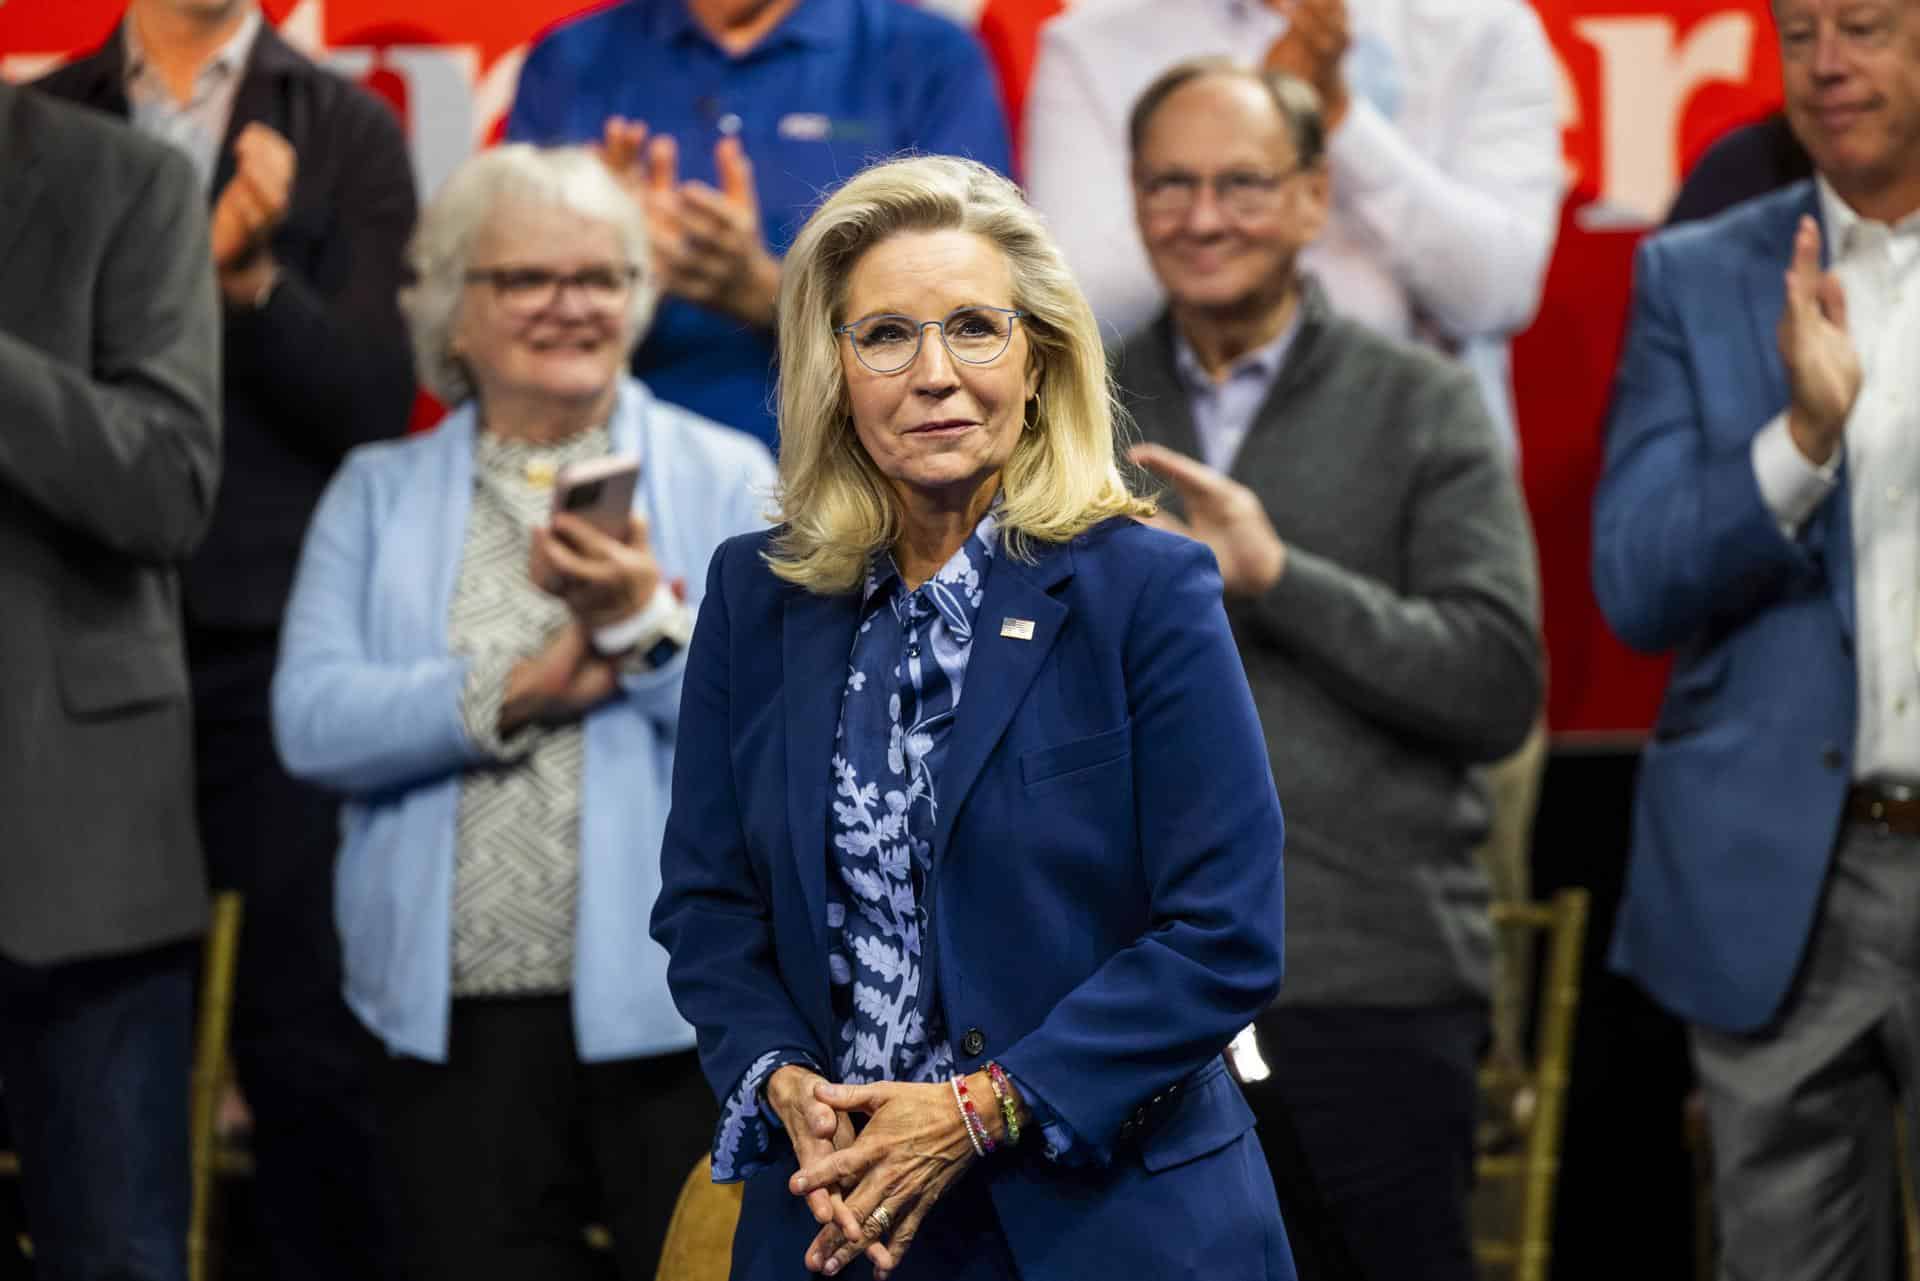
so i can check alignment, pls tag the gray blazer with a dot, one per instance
(109, 452)
(1399, 648)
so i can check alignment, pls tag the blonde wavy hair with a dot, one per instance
(1064, 476)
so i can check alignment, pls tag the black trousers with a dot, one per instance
(503, 1154)
(304, 1062)
(1368, 1123)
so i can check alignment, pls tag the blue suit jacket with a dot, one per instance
(1105, 896)
(1742, 786)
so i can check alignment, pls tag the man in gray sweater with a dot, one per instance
(1381, 583)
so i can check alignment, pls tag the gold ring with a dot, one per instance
(879, 1221)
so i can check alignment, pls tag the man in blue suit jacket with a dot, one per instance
(1757, 517)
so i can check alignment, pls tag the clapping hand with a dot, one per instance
(1316, 40)
(1222, 513)
(252, 204)
(1823, 366)
(646, 170)
(707, 241)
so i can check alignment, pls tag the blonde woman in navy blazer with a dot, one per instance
(962, 968)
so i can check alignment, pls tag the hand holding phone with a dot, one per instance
(599, 491)
(595, 553)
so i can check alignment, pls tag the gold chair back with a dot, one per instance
(219, 960)
(699, 1244)
(1524, 1102)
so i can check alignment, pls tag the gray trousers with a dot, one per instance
(1806, 1182)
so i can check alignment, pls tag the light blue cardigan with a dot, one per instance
(366, 701)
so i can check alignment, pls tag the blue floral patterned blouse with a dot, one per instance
(904, 679)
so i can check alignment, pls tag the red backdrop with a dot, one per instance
(1645, 87)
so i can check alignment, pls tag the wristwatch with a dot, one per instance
(261, 296)
(650, 638)
(265, 293)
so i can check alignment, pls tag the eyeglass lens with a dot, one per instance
(1245, 193)
(888, 343)
(530, 289)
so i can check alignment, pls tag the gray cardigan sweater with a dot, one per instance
(1399, 648)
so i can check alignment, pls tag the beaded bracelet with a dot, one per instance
(997, 1078)
(976, 1129)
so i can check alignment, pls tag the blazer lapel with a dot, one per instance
(999, 671)
(1158, 400)
(258, 98)
(1837, 550)
(24, 177)
(816, 637)
(1267, 451)
(1766, 296)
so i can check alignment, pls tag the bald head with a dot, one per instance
(1293, 101)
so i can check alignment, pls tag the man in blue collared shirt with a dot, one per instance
(809, 91)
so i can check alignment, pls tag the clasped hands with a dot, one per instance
(603, 580)
(706, 242)
(870, 1193)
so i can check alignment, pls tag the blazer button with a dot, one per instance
(1833, 757)
(973, 1043)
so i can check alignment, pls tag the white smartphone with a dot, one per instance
(599, 491)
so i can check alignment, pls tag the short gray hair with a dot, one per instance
(1297, 102)
(569, 178)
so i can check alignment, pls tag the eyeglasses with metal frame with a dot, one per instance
(975, 334)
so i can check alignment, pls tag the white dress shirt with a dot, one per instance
(1447, 172)
(1879, 270)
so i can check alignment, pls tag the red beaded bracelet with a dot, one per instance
(976, 1129)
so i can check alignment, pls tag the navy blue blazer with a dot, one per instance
(1742, 787)
(1105, 895)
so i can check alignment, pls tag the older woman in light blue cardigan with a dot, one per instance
(496, 695)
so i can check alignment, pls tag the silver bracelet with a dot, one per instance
(953, 1079)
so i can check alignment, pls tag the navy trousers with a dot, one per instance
(94, 1058)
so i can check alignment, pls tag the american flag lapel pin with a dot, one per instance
(1017, 628)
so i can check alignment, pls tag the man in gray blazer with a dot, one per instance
(109, 453)
(1381, 583)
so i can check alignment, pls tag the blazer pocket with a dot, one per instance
(1206, 1115)
(1047, 763)
(101, 675)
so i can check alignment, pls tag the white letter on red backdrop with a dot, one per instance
(1645, 82)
